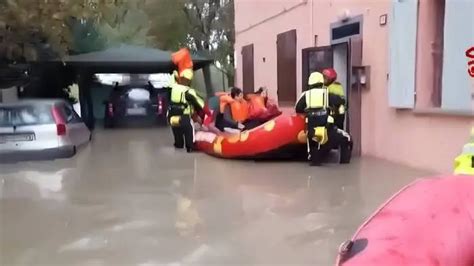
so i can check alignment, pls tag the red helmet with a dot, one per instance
(330, 74)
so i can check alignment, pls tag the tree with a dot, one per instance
(126, 22)
(169, 25)
(86, 37)
(212, 32)
(204, 26)
(26, 26)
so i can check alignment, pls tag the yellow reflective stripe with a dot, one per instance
(177, 93)
(199, 100)
(321, 135)
(463, 165)
(336, 89)
(342, 109)
(187, 74)
(316, 98)
(175, 120)
(330, 120)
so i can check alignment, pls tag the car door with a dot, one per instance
(78, 132)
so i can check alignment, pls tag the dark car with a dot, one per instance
(136, 105)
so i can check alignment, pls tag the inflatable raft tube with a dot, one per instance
(280, 138)
(429, 222)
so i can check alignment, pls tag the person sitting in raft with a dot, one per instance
(233, 112)
(262, 108)
(257, 102)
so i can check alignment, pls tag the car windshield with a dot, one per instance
(26, 115)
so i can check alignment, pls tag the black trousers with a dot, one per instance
(336, 138)
(184, 133)
(339, 120)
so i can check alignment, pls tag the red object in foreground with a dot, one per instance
(429, 222)
(277, 133)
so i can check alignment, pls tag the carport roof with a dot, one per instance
(130, 59)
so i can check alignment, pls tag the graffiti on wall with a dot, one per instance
(470, 63)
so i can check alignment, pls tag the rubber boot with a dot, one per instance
(316, 158)
(345, 153)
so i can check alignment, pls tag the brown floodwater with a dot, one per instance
(128, 198)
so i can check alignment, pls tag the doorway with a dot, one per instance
(286, 67)
(248, 82)
(316, 59)
(342, 56)
(341, 66)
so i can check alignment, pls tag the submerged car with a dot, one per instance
(136, 105)
(40, 129)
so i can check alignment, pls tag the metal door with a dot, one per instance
(248, 82)
(354, 97)
(286, 67)
(315, 59)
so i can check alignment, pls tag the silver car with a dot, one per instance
(40, 129)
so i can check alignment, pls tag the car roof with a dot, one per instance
(30, 102)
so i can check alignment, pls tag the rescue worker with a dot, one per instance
(322, 134)
(337, 98)
(464, 163)
(184, 101)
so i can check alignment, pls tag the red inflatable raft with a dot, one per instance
(429, 222)
(281, 137)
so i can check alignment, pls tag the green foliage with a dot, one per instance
(86, 38)
(169, 26)
(25, 23)
(213, 31)
(79, 26)
(126, 22)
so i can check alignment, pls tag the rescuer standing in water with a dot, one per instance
(464, 163)
(322, 134)
(337, 98)
(184, 101)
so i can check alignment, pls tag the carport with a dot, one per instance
(121, 59)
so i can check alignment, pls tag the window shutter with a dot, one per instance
(403, 31)
(458, 37)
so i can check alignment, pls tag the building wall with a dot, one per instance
(264, 36)
(419, 138)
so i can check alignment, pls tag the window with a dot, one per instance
(343, 31)
(70, 115)
(26, 115)
(346, 31)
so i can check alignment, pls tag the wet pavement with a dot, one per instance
(130, 199)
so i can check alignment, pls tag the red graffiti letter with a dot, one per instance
(470, 64)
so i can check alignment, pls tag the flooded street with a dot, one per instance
(130, 199)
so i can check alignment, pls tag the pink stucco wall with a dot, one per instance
(429, 141)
